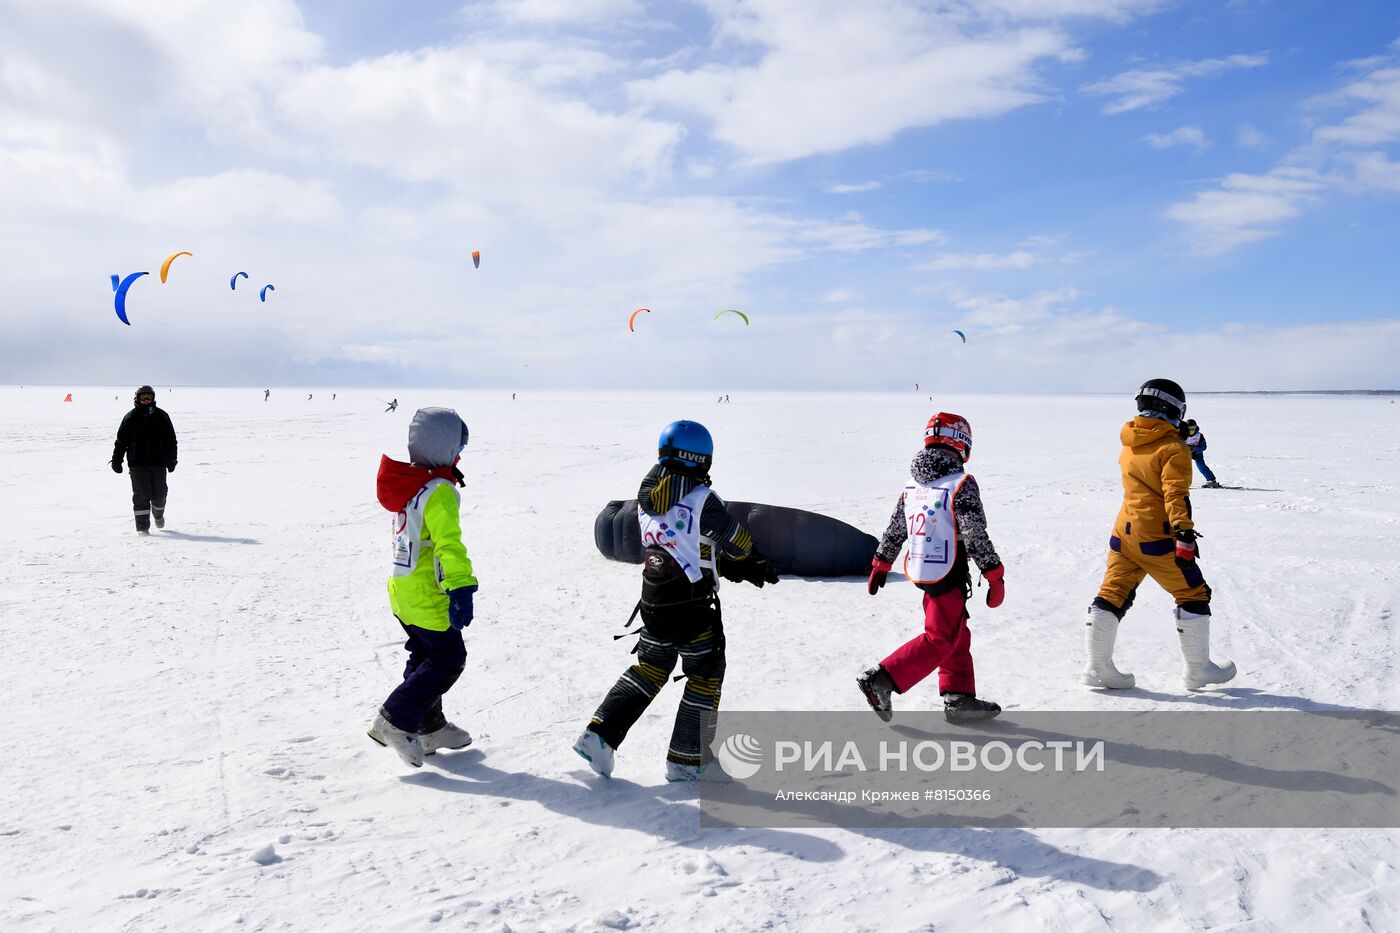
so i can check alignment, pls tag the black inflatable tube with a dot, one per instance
(796, 542)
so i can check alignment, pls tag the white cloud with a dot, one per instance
(854, 188)
(1249, 207)
(831, 75)
(1245, 207)
(1379, 120)
(1249, 137)
(1002, 314)
(1192, 136)
(86, 184)
(557, 12)
(1113, 10)
(841, 296)
(463, 117)
(851, 236)
(1139, 88)
(1373, 170)
(928, 175)
(981, 262)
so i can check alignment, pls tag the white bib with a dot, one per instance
(1194, 440)
(678, 531)
(409, 534)
(932, 523)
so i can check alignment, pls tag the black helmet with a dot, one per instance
(144, 390)
(1164, 397)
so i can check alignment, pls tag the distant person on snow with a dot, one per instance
(690, 539)
(1196, 440)
(146, 439)
(266, 393)
(393, 406)
(1155, 536)
(432, 584)
(940, 514)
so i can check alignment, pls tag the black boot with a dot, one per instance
(158, 515)
(964, 707)
(877, 685)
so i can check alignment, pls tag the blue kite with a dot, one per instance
(119, 301)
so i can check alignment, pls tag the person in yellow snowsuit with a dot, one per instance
(1153, 535)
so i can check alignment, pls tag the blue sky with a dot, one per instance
(1096, 191)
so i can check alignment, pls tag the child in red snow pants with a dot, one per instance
(946, 644)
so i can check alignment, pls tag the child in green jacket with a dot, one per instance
(431, 588)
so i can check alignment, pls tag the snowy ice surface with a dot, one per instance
(187, 747)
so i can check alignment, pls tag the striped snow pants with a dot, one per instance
(148, 492)
(697, 639)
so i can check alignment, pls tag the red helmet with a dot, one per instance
(950, 430)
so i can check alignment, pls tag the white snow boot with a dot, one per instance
(406, 744)
(711, 773)
(1100, 632)
(599, 754)
(1194, 631)
(449, 737)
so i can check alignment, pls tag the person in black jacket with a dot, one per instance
(146, 439)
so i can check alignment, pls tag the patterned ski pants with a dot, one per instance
(702, 661)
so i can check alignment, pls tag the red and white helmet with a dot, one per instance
(950, 430)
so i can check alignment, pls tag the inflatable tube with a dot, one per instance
(796, 542)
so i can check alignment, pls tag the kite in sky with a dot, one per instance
(121, 288)
(165, 266)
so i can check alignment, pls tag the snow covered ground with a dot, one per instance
(186, 748)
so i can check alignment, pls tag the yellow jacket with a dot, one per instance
(1156, 465)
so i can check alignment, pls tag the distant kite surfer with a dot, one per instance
(1196, 440)
(266, 393)
(393, 406)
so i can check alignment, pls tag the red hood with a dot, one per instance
(399, 482)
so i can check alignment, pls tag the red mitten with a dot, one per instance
(996, 589)
(879, 570)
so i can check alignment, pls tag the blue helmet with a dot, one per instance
(687, 445)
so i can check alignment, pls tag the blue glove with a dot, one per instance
(459, 606)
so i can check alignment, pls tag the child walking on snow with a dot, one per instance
(1154, 535)
(689, 538)
(940, 514)
(431, 588)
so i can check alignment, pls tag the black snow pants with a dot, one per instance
(695, 634)
(435, 661)
(147, 495)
